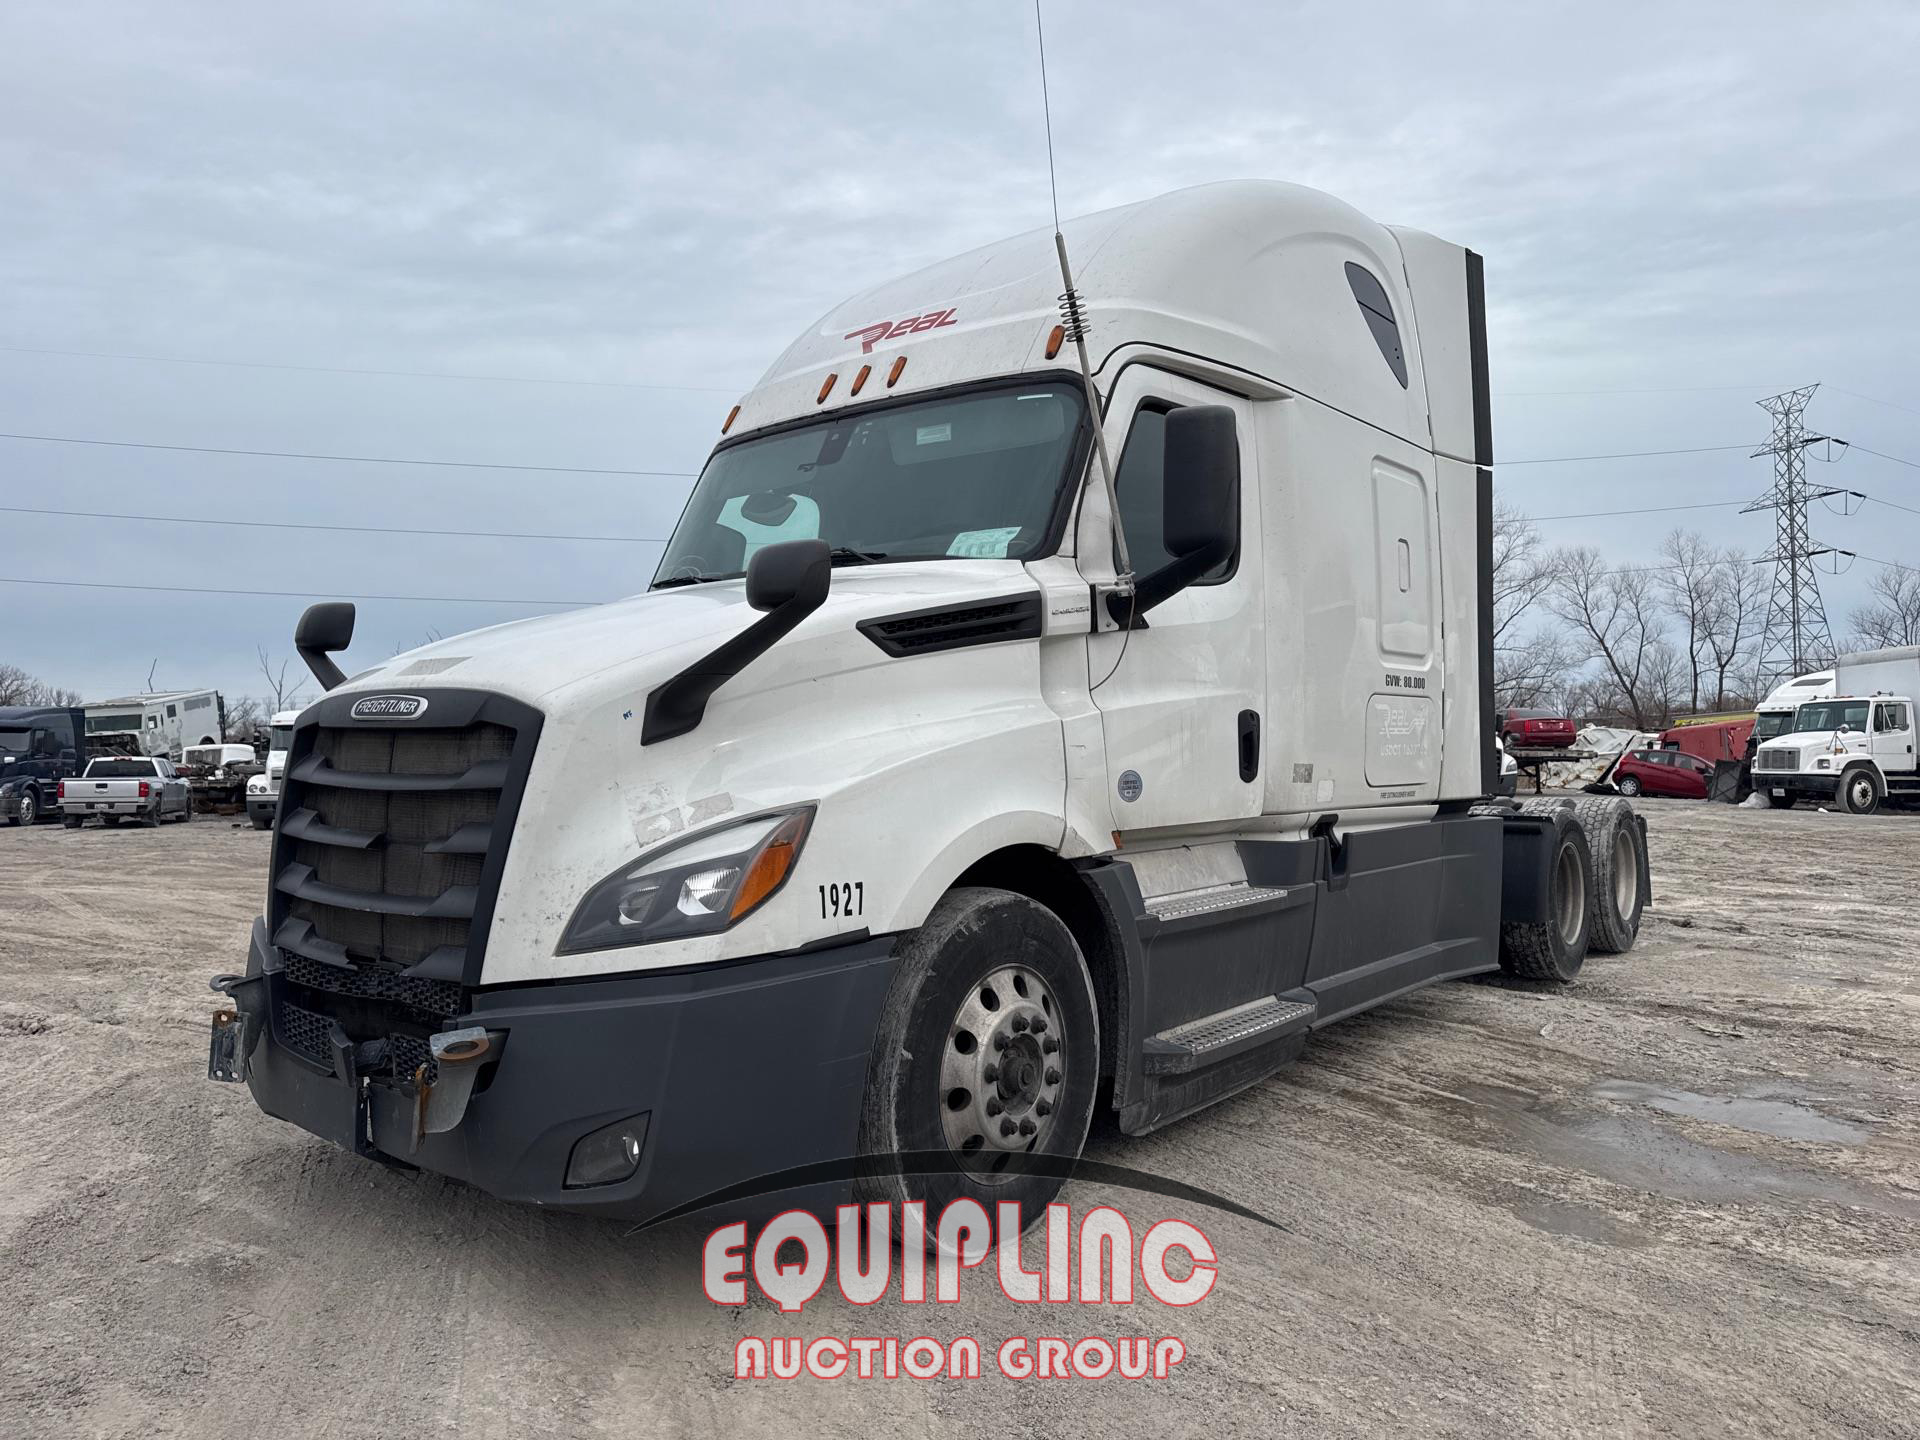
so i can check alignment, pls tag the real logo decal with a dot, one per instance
(871, 335)
(389, 707)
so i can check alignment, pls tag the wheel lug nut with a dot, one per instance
(1039, 1025)
(1019, 1023)
(1007, 1127)
(999, 1042)
(1043, 1108)
(1053, 1076)
(1049, 1044)
(990, 1071)
(993, 1107)
(1027, 1127)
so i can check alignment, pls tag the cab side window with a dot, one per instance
(1140, 483)
(1889, 718)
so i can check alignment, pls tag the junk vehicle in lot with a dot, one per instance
(218, 775)
(1663, 771)
(1855, 747)
(892, 820)
(126, 787)
(40, 745)
(162, 722)
(263, 790)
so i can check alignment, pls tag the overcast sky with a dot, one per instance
(1682, 207)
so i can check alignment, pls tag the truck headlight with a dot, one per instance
(695, 886)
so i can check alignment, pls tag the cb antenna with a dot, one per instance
(1073, 323)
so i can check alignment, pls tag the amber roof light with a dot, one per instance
(860, 379)
(893, 375)
(826, 388)
(1055, 340)
(732, 415)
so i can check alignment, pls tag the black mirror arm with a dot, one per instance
(678, 705)
(323, 629)
(1166, 582)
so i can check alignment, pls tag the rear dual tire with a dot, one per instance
(1555, 948)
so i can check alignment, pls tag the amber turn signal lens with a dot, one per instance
(894, 374)
(826, 388)
(1055, 340)
(732, 415)
(771, 865)
(860, 379)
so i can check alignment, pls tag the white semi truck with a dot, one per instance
(893, 821)
(1853, 746)
(1774, 715)
(263, 790)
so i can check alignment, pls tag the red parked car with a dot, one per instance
(1662, 772)
(1537, 730)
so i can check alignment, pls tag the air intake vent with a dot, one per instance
(950, 627)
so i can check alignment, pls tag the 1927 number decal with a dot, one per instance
(838, 902)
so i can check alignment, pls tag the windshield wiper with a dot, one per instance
(673, 580)
(841, 555)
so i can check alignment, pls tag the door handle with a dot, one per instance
(1249, 745)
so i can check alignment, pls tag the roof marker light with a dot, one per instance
(732, 415)
(1055, 340)
(860, 379)
(826, 388)
(893, 375)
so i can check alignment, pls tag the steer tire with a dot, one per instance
(1555, 948)
(1860, 791)
(1622, 882)
(927, 1091)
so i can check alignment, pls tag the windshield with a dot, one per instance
(1771, 723)
(1831, 715)
(975, 475)
(15, 742)
(282, 737)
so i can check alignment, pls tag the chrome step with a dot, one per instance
(1217, 1037)
(1188, 903)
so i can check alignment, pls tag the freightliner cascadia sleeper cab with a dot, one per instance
(891, 819)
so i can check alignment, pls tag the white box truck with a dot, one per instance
(891, 822)
(1853, 747)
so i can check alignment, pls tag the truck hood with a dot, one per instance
(1821, 742)
(646, 638)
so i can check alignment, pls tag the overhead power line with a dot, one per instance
(314, 525)
(300, 594)
(1638, 510)
(1854, 445)
(347, 459)
(355, 370)
(1621, 455)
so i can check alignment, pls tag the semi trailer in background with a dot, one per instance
(923, 802)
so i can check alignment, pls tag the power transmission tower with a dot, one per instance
(1797, 638)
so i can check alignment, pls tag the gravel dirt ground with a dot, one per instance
(1681, 1197)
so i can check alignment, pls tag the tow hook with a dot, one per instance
(232, 1039)
(440, 1105)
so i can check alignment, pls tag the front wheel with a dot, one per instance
(987, 1051)
(1629, 787)
(29, 807)
(1860, 792)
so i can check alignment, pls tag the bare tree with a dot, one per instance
(1687, 586)
(1736, 619)
(17, 687)
(1615, 618)
(243, 718)
(280, 694)
(1894, 616)
(1529, 660)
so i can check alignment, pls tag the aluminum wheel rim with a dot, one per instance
(1573, 894)
(1626, 872)
(1001, 1072)
(29, 812)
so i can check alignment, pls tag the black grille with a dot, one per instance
(390, 840)
(435, 997)
(950, 627)
(307, 1033)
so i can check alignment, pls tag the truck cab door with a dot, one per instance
(1180, 694)
(1890, 739)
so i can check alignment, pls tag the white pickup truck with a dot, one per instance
(126, 787)
(1854, 747)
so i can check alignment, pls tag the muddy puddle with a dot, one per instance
(1744, 1112)
(1643, 1153)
